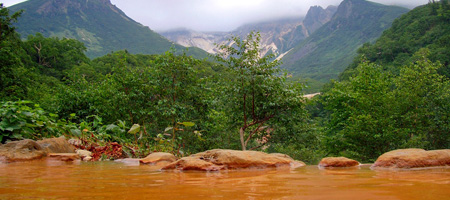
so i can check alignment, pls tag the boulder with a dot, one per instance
(83, 153)
(23, 150)
(157, 157)
(413, 158)
(64, 156)
(217, 159)
(337, 162)
(193, 163)
(56, 145)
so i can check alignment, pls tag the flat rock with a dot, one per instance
(193, 163)
(64, 156)
(413, 158)
(337, 162)
(158, 157)
(218, 159)
(56, 145)
(24, 150)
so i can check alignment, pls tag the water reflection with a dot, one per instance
(127, 180)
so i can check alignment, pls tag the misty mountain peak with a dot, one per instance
(317, 16)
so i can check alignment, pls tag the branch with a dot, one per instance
(257, 147)
(252, 133)
(261, 122)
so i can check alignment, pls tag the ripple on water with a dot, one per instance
(118, 180)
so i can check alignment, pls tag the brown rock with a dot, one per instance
(217, 159)
(158, 157)
(294, 163)
(56, 145)
(64, 156)
(337, 162)
(193, 163)
(23, 150)
(413, 158)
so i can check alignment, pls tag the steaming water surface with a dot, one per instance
(113, 180)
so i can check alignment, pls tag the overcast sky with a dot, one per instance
(219, 15)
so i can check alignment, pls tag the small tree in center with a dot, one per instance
(257, 94)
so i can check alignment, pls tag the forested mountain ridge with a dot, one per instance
(423, 27)
(331, 48)
(277, 36)
(396, 92)
(100, 25)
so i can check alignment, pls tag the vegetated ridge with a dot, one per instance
(100, 25)
(326, 52)
(423, 27)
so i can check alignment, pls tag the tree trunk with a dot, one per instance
(241, 134)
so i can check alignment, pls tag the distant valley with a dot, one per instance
(315, 48)
(277, 36)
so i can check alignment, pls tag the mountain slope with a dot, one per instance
(99, 24)
(277, 36)
(423, 27)
(327, 52)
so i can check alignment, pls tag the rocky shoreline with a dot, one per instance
(221, 159)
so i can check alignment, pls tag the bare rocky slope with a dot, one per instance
(277, 36)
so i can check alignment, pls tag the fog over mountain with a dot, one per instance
(219, 15)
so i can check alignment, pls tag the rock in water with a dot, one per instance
(56, 145)
(64, 156)
(217, 159)
(337, 162)
(157, 157)
(413, 158)
(193, 163)
(23, 150)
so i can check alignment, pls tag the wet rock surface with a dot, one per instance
(338, 162)
(219, 159)
(158, 157)
(56, 145)
(413, 158)
(64, 156)
(24, 150)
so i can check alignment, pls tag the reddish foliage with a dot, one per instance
(112, 150)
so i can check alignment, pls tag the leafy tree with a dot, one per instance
(360, 122)
(258, 98)
(11, 64)
(53, 56)
(422, 110)
(375, 111)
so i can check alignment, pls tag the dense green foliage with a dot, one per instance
(375, 111)
(330, 49)
(173, 102)
(258, 99)
(396, 93)
(424, 27)
(166, 102)
(101, 26)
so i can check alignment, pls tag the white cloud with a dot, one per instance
(219, 15)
